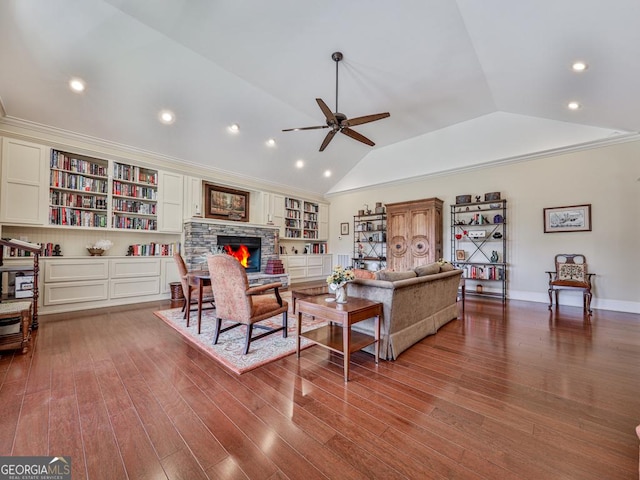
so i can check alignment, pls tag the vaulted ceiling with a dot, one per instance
(465, 81)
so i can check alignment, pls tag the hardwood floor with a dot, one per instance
(504, 393)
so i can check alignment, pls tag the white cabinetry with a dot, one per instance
(323, 222)
(170, 198)
(23, 183)
(192, 198)
(302, 268)
(95, 282)
(69, 281)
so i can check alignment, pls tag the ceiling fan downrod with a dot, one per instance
(336, 56)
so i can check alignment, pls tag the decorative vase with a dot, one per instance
(341, 294)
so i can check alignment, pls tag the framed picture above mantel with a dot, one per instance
(224, 203)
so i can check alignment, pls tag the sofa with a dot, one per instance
(415, 304)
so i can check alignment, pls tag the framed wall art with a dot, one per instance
(575, 218)
(461, 255)
(225, 203)
(344, 229)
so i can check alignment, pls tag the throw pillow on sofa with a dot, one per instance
(428, 269)
(390, 276)
(447, 267)
(360, 273)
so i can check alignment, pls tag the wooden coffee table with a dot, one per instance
(337, 336)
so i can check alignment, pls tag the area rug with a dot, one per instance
(230, 345)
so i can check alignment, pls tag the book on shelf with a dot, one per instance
(154, 249)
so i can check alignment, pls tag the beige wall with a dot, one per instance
(607, 177)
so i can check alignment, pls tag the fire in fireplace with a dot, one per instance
(245, 249)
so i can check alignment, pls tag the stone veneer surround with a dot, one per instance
(200, 236)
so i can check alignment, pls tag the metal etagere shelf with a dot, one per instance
(479, 246)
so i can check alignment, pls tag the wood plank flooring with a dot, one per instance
(503, 393)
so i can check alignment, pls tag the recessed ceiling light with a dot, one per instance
(327, 173)
(271, 142)
(300, 164)
(579, 66)
(77, 85)
(573, 105)
(167, 117)
(234, 128)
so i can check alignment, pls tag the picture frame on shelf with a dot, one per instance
(573, 218)
(224, 203)
(461, 255)
(344, 229)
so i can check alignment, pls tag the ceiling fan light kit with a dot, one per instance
(339, 122)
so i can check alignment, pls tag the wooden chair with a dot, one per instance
(190, 293)
(239, 303)
(571, 273)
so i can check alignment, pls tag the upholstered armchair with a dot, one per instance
(241, 304)
(571, 273)
(190, 293)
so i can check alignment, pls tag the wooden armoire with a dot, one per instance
(414, 233)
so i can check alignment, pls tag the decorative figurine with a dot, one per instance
(477, 198)
(494, 256)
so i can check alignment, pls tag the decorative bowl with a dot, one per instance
(95, 252)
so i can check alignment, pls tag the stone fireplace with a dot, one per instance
(201, 237)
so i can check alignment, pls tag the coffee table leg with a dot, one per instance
(298, 332)
(346, 343)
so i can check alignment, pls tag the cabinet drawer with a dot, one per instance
(135, 287)
(297, 272)
(75, 270)
(296, 262)
(135, 267)
(315, 260)
(315, 270)
(74, 292)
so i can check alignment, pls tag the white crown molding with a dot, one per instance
(93, 146)
(605, 142)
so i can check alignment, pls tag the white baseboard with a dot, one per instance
(574, 299)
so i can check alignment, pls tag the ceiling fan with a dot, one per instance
(338, 122)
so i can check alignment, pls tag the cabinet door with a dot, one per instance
(170, 192)
(323, 222)
(327, 264)
(24, 182)
(397, 240)
(192, 197)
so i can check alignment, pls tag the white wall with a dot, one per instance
(608, 178)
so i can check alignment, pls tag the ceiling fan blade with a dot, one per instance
(327, 139)
(356, 136)
(305, 128)
(331, 118)
(352, 122)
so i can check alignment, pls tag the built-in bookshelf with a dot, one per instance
(78, 190)
(134, 196)
(310, 217)
(300, 219)
(292, 218)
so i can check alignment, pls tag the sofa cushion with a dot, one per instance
(428, 269)
(390, 276)
(447, 267)
(360, 273)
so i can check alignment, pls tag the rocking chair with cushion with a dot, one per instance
(571, 273)
(241, 304)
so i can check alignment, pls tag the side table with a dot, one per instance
(337, 336)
